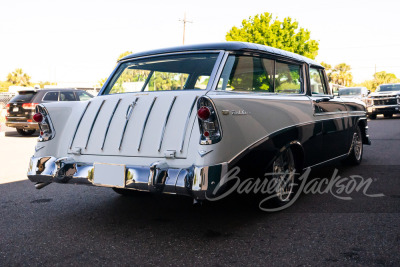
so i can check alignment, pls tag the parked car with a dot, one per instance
(262, 110)
(385, 100)
(21, 108)
(360, 93)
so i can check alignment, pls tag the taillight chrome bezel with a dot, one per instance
(210, 128)
(47, 131)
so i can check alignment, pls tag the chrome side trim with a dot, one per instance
(187, 122)
(109, 122)
(145, 122)
(94, 121)
(330, 113)
(79, 123)
(383, 106)
(128, 116)
(165, 123)
(335, 158)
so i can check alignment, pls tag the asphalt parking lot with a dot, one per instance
(79, 225)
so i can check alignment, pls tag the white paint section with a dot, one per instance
(174, 130)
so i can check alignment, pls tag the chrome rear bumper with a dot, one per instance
(23, 124)
(193, 181)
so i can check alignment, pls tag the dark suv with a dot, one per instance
(21, 108)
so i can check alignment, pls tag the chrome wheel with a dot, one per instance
(358, 146)
(283, 170)
(356, 149)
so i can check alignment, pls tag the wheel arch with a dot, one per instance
(298, 154)
(363, 125)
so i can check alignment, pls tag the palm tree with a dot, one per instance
(18, 77)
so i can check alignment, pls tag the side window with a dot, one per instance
(287, 78)
(317, 82)
(201, 82)
(51, 96)
(246, 73)
(82, 96)
(67, 96)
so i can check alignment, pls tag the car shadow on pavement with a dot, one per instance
(99, 208)
(15, 134)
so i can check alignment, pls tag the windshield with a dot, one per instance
(388, 87)
(166, 73)
(23, 96)
(350, 91)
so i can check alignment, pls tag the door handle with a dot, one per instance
(323, 99)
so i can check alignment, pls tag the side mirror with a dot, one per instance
(369, 91)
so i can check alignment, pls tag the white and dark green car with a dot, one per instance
(178, 120)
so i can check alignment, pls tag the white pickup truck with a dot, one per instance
(385, 100)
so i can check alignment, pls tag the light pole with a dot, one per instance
(184, 20)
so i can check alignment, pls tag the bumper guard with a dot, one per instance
(158, 177)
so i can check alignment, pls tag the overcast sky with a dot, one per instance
(79, 41)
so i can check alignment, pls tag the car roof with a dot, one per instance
(230, 46)
(48, 89)
(389, 84)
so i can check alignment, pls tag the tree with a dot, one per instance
(340, 74)
(286, 35)
(4, 86)
(122, 55)
(126, 53)
(18, 77)
(42, 83)
(381, 77)
(384, 77)
(101, 82)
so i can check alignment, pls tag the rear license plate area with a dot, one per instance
(15, 109)
(109, 175)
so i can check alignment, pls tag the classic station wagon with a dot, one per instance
(177, 120)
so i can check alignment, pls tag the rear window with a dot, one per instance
(350, 91)
(83, 96)
(164, 73)
(23, 96)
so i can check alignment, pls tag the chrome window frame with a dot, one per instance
(323, 77)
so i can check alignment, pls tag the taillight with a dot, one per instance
(7, 110)
(204, 113)
(42, 117)
(38, 117)
(29, 105)
(7, 106)
(210, 129)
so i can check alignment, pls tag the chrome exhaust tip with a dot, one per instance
(41, 185)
